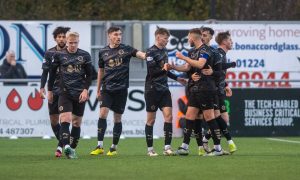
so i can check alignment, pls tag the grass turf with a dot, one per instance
(256, 158)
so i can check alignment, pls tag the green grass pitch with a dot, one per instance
(256, 158)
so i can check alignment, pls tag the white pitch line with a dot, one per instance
(283, 140)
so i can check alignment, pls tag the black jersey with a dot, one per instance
(115, 62)
(221, 82)
(75, 71)
(207, 82)
(193, 54)
(48, 57)
(157, 78)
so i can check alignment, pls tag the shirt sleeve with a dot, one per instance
(88, 72)
(153, 66)
(101, 61)
(52, 71)
(133, 51)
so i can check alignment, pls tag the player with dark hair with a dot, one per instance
(225, 44)
(75, 69)
(202, 92)
(113, 78)
(156, 85)
(59, 35)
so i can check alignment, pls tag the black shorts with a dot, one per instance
(157, 99)
(203, 100)
(53, 108)
(114, 100)
(222, 105)
(216, 102)
(67, 103)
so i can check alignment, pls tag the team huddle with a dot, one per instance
(70, 75)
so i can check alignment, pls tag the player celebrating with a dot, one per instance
(59, 35)
(202, 91)
(225, 44)
(157, 86)
(75, 78)
(113, 77)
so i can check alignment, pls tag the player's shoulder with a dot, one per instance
(221, 51)
(51, 51)
(82, 52)
(152, 49)
(105, 48)
(205, 49)
(125, 46)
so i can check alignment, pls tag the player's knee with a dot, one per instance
(103, 112)
(208, 115)
(190, 116)
(117, 118)
(65, 117)
(168, 118)
(76, 122)
(225, 117)
(150, 122)
(54, 119)
(217, 113)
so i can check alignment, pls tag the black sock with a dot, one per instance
(168, 130)
(75, 135)
(149, 135)
(117, 130)
(102, 125)
(188, 131)
(65, 133)
(223, 126)
(208, 134)
(198, 131)
(215, 131)
(56, 129)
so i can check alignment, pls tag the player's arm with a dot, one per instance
(198, 64)
(136, 53)
(183, 68)
(182, 106)
(228, 91)
(52, 73)
(45, 67)
(88, 73)
(141, 55)
(88, 68)
(176, 78)
(228, 65)
(100, 76)
(154, 68)
(99, 82)
(216, 72)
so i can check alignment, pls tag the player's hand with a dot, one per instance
(167, 67)
(83, 96)
(228, 91)
(233, 64)
(179, 55)
(50, 97)
(99, 97)
(42, 93)
(182, 81)
(172, 65)
(208, 71)
(196, 77)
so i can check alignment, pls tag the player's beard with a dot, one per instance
(61, 45)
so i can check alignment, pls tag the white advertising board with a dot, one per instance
(23, 113)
